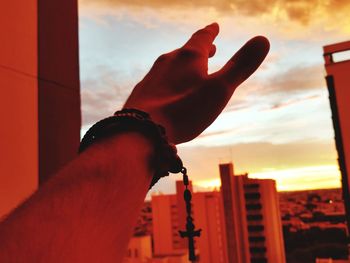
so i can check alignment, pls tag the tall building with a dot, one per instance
(40, 101)
(166, 239)
(252, 218)
(235, 215)
(169, 217)
(139, 250)
(208, 216)
(338, 82)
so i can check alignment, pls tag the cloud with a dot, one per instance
(295, 85)
(216, 133)
(301, 11)
(286, 103)
(103, 94)
(295, 79)
(280, 89)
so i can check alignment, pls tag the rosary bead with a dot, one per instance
(187, 195)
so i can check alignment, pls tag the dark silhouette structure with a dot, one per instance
(338, 82)
(58, 84)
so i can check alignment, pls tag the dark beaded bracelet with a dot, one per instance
(166, 159)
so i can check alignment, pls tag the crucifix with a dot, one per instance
(190, 233)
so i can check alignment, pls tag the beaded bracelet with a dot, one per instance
(166, 158)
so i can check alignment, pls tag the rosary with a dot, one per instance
(190, 232)
(136, 120)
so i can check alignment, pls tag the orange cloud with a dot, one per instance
(286, 103)
(302, 11)
(297, 79)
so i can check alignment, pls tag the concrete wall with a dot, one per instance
(40, 101)
(18, 102)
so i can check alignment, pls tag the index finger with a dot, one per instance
(202, 40)
(244, 62)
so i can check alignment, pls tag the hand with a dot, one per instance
(179, 94)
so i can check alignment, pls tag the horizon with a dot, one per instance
(199, 189)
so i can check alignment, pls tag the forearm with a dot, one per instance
(85, 213)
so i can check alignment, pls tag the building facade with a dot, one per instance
(338, 82)
(140, 251)
(252, 218)
(241, 223)
(169, 217)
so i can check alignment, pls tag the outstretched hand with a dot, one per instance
(179, 94)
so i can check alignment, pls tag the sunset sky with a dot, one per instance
(277, 124)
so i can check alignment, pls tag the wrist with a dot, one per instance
(125, 145)
(133, 120)
(157, 117)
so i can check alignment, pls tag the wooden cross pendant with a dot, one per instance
(190, 232)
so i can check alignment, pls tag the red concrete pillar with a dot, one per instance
(39, 102)
(58, 84)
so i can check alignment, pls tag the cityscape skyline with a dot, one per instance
(312, 221)
(240, 223)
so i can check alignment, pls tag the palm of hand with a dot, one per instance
(179, 94)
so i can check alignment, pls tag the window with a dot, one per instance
(257, 228)
(257, 217)
(253, 206)
(252, 196)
